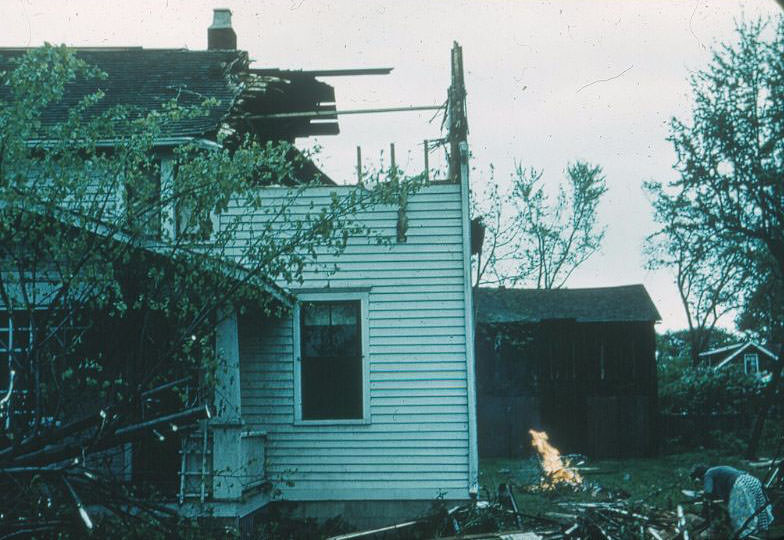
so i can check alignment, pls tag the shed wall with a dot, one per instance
(591, 386)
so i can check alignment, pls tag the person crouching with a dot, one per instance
(747, 505)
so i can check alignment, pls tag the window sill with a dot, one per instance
(326, 422)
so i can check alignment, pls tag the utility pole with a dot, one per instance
(456, 111)
(458, 173)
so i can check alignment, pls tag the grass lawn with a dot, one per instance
(656, 481)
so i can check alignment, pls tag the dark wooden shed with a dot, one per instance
(578, 363)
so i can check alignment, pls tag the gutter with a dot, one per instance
(206, 144)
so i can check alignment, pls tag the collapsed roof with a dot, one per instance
(146, 79)
(628, 303)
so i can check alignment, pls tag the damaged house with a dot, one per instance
(354, 395)
(577, 363)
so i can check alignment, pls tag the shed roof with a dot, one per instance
(602, 304)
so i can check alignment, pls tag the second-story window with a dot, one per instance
(143, 204)
(193, 208)
(193, 223)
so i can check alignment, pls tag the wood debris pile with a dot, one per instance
(619, 520)
(569, 521)
(597, 514)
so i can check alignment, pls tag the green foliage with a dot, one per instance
(143, 240)
(705, 391)
(533, 239)
(722, 220)
(674, 348)
(119, 254)
(762, 315)
(685, 389)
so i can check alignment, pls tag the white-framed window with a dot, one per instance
(751, 363)
(193, 222)
(331, 383)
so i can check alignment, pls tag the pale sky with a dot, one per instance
(529, 68)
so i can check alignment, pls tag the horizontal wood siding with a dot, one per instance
(415, 445)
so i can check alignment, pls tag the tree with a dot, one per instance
(112, 282)
(708, 275)
(730, 156)
(762, 314)
(531, 239)
(672, 347)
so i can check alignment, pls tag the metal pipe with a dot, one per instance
(317, 114)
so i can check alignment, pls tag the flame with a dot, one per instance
(556, 469)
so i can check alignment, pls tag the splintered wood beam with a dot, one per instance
(359, 164)
(427, 159)
(316, 114)
(349, 72)
(329, 72)
(392, 163)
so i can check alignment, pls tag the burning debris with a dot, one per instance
(533, 506)
(557, 470)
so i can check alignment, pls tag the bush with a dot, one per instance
(705, 391)
(702, 407)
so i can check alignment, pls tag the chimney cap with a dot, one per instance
(221, 18)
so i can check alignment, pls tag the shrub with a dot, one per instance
(705, 391)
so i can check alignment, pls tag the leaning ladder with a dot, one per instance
(196, 465)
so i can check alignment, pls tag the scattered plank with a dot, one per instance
(390, 528)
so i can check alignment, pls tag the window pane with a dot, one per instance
(316, 314)
(331, 388)
(330, 329)
(343, 314)
(331, 369)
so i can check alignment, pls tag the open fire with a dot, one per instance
(557, 469)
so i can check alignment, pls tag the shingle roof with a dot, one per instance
(148, 78)
(604, 304)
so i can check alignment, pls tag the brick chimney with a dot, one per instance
(220, 34)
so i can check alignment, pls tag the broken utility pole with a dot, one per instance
(456, 111)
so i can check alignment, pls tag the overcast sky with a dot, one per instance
(548, 82)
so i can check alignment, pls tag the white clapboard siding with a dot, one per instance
(416, 444)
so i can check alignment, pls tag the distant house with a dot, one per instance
(578, 363)
(749, 357)
(362, 395)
